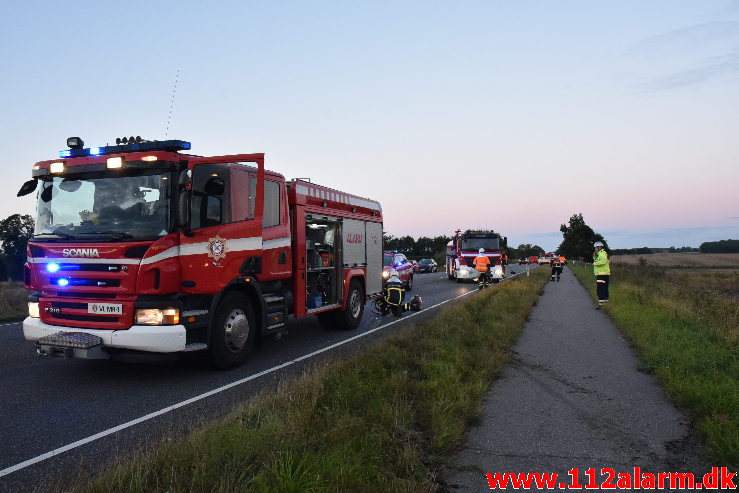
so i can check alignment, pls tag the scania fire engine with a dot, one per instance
(139, 246)
(464, 247)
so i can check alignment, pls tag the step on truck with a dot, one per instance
(141, 246)
(464, 247)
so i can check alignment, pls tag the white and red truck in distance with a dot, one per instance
(143, 247)
(465, 246)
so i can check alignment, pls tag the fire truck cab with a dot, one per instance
(142, 247)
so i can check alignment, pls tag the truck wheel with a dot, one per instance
(450, 276)
(233, 332)
(351, 316)
(409, 284)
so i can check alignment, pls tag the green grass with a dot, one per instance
(13, 301)
(685, 327)
(387, 419)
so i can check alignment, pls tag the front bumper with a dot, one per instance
(468, 273)
(151, 338)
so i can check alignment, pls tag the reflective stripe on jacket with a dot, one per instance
(481, 263)
(601, 264)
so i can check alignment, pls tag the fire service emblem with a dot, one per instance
(217, 248)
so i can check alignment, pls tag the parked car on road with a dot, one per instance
(399, 262)
(545, 258)
(427, 265)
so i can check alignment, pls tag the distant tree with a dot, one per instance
(423, 247)
(15, 231)
(578, 239)
(722, 246)
(527, 250)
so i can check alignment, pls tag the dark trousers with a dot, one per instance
(556, 271)
(601, 287)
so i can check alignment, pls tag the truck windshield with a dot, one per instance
(488, 244)
(107, 206)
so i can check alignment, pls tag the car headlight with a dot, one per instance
(499, 271)
(33, 310)
(157, 316)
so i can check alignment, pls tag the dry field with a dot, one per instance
(681, 259)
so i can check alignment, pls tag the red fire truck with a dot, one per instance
(464, 247)
(139, 246)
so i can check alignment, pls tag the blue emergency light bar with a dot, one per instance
(163, 145)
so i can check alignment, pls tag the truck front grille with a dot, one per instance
(86, 318)
(76, 281)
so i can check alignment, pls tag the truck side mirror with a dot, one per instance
(28, 187)
(183, 206)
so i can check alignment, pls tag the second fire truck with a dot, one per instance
(464, 247)
(141, 246)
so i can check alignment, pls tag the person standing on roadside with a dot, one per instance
(556, 264)
(602, 271)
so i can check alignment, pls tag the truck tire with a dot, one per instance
(233, 332)
(409, 284)
(351, 316)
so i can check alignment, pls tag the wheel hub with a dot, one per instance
(236, 330)
(355, 304)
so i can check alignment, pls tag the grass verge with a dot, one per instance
(686, 329)
(13, 301)
(387, 419)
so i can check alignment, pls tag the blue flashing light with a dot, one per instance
(145, 146)
(63, 282)
(52, 267)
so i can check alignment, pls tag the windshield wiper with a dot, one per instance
(51, 236)
(115, 235)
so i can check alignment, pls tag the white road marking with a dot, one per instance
(12, 323)
(167, 409)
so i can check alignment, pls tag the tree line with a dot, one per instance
(425, 247)
(722, 246)
(649, 251)
(15, 231)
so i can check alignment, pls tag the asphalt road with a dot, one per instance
(49, 405)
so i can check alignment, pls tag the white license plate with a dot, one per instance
(105, 308)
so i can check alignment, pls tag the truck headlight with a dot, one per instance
(157, 316)
(33, 310)
(499, 272)
(385, 274)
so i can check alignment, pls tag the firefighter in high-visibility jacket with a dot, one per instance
(602, 271)
(482, 265)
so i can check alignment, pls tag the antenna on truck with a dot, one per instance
(171, 104)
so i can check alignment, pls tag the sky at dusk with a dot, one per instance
(506, 115)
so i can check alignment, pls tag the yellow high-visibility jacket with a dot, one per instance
(601, 264)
